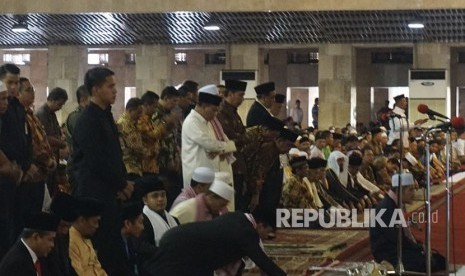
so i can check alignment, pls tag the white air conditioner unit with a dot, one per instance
(429, 87)
(249, 76)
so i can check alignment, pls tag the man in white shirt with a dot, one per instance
(400, 123)
(459, 145)
(200, 147)
(205, 206)
(200, 182)
(297, 113)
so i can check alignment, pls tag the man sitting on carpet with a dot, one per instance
(201, 180)
(156, 219)
(205, 206)
(384, 239)
(298, 192)
(337, 176)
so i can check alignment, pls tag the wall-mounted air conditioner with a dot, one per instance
(429, 87)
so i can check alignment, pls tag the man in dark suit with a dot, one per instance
(37, 240)
(384, 239)
(98, 165)
(200, 248)
(132, 226)
(259, 110)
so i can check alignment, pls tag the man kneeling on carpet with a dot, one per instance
(202, 247)
(383, 239)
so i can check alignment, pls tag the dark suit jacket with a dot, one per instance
(200, 248)
(384, 241)
(257, 115)
(18, 261)
(58, 263)
(97, 155)
(15, 134)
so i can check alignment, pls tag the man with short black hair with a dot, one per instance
(160, 135)
(83, 98)
(132, 227)
(30, 197)
(16, 144)
(37, 240)
(134, 151)
(99, 169)
(190, 90)
(297, 113)
(201, 248)
(46, 114)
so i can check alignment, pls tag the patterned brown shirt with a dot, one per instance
(42, 154)
(133, 149)
(235, 130)
(169, 157)
(296, 194)
(152, 134)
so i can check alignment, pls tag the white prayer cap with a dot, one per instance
(383, 128)
(294, 151)
(209, 94)
(411, 159)
(2, 86)
(222, 189)
(405, 178)
(223, 176)
(311, 137)
(203, 175)
(209, 89)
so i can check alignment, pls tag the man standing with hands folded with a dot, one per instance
(98, 165)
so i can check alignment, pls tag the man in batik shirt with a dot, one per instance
(169, 158)
(296, 193)
(133, 149)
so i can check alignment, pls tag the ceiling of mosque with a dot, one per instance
(446, 25)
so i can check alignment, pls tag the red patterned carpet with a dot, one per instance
(457, 226)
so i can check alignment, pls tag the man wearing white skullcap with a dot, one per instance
(383, 238)
(201, 180)
(205, 206)
(227, 178)
(201, 146)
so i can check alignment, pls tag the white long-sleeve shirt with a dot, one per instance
(198, 139)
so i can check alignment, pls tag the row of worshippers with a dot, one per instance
(59, 243)
(212, 135)
(103, 168)
(32, 148)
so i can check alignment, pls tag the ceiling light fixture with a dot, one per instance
(212, 25)
(20, 26)
(416, 24)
